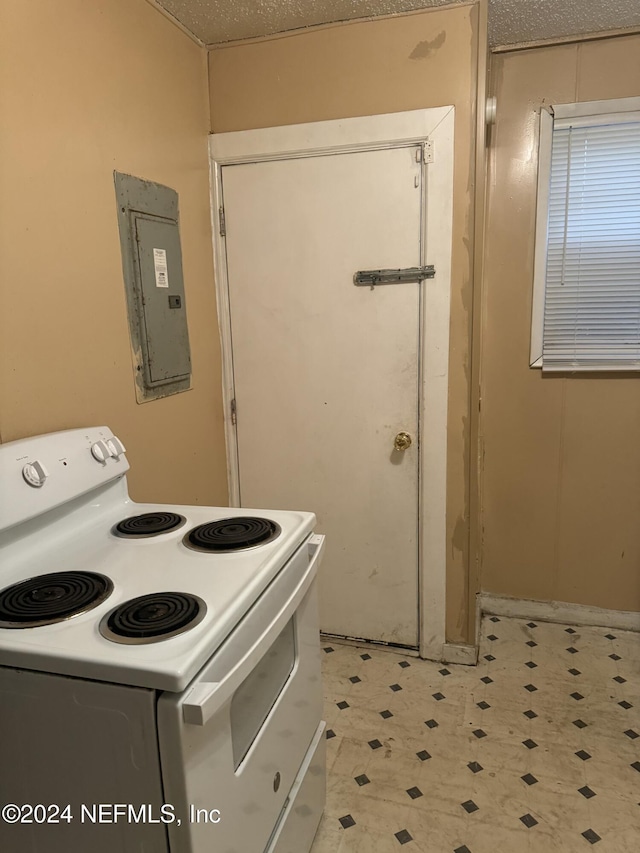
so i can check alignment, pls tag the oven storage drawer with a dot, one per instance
(300, 819)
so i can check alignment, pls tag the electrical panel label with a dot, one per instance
(160, 266)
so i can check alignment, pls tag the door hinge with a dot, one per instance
(424, 152)
(234, 412)
(222, 221)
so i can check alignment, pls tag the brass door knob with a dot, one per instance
(402, 441)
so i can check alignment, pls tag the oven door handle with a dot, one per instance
(204, 699)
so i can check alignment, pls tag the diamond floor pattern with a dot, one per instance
(472, 759)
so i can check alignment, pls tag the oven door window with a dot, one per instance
(258, 693)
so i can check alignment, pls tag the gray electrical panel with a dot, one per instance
(152, 267)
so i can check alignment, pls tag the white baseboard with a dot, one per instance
(558, 611)
(459, 653)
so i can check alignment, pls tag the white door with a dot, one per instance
(326, 372)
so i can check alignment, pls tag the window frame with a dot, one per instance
(563, 115)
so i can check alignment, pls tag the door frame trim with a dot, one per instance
(366, 133)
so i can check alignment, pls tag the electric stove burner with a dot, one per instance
(232, 534)
(154, 617)
(46, 599)
(148, 524)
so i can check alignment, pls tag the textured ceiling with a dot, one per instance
(510, 21)
(214, 21)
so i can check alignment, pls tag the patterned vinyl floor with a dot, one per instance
(535, 750)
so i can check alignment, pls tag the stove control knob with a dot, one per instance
(35, 473)
(100, 451)
(116, 447)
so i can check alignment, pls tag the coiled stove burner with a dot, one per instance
(153, 617)
(148, 524)
(232, 534)
(46, 599)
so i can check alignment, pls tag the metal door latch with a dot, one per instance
(373, 277)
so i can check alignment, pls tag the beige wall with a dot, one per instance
(386, 65)
(86, 88)
(561, 480)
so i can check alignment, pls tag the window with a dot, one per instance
(586, 305)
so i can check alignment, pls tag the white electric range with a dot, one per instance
(159, 665)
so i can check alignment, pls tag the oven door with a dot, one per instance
(232, 744)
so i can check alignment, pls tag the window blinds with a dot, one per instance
(592, 293)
